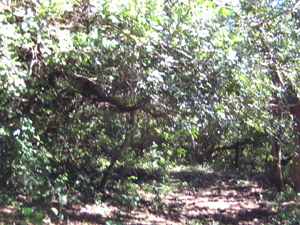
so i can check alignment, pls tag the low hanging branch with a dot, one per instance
(89, 85)
(236, 145)
(247, 141)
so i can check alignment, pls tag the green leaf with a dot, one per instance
(27, 210)
(39, 215)
(132, 177)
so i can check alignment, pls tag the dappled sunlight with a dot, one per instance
(227, 197)
(143, 112)
(230, 197)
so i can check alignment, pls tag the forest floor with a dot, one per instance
(195, 198)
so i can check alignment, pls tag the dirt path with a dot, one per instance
(200, 198)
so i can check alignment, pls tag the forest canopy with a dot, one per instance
(92, 90)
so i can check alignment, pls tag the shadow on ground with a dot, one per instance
(199, 198)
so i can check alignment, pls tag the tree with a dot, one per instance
(89, 85)
(273, 31)
(295, 110)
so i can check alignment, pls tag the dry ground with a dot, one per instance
(200, 198)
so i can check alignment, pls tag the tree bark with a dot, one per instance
(112, 163)
(276, 177)
(237, 156)
(295, 173)
(120, 152)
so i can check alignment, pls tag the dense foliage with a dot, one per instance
(89, 86)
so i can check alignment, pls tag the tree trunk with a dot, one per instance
(295, 110)
(120, 152)
(276, 177)
(112, 163)
(296, 173)
(237, 156)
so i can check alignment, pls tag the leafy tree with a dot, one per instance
(88, 85)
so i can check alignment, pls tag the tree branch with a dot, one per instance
(89, 84)
(238, 144)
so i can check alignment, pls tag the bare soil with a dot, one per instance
(199, 198)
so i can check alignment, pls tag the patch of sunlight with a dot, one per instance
(194, 168)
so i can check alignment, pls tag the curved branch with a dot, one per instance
(90, 85)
